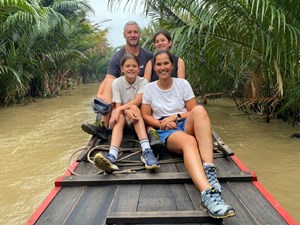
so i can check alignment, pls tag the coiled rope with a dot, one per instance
(124, 161)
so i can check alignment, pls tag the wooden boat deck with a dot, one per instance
(163, 196)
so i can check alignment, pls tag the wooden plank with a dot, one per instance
(181, 198)
(194, 195)
(156, 197)
(61, 205)
(142, 178)
(226, 164)
(172, 217)
(173, 197)
(127, 198)
(93, 206)
(255, 204)
(222, 146)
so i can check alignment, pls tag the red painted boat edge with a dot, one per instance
(58, 181)
(242, 166)
(283, 213)
(286, 216)
(72, 167)
(39, 211)
(41, 208)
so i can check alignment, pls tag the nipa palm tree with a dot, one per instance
(248, 46)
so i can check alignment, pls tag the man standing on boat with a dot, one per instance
(101, 104)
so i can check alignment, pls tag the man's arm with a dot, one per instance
(105, 89)
(113, 71)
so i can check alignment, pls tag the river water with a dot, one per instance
(37, 140)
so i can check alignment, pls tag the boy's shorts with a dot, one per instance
(164, 134)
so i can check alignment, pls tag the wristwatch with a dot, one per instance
(178, 117)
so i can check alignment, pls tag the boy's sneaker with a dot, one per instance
(107, 163)
(210, 171)
(155, 142)
(149, 159)
(97, 128)
(215, 205)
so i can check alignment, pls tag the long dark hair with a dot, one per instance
(162, 52)
(163, 32)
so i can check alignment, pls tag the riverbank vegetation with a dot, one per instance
(46, 46)
(247, 50)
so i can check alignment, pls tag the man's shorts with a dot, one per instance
(164, 134)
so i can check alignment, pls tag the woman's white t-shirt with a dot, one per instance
(168, 102)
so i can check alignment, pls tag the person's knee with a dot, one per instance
(190, 142)
(199, 110)
(136, 110)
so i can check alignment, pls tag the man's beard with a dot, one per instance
(134, 43)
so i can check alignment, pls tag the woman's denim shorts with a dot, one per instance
(164, 134)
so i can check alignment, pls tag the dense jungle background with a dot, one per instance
(247, 50)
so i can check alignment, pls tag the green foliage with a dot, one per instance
(249, 46)
(44, 45)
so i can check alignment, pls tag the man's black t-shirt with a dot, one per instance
(114, 67)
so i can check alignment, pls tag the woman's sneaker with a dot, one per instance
(215, 205)
(210, 171)
(149, 159)
(107, 163)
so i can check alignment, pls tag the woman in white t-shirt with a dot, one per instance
(169, 106)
